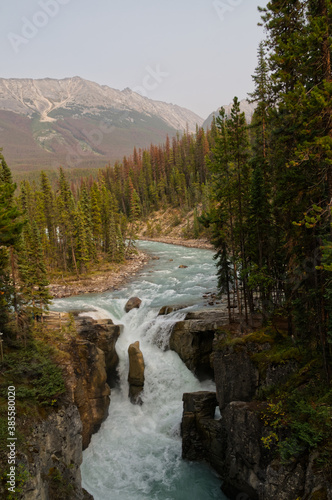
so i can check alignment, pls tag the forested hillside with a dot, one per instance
(272, 184)
(262, 193)
(263, 189)
(67, 227)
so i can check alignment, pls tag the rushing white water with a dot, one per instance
(136, 455)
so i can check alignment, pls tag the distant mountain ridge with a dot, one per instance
(79, 123)
(245, 107)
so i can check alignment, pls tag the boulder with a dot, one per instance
(133, 303)
(169, 309)
(183, 267)
(193, 337)
(198, 413)
(136, 373)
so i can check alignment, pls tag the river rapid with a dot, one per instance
(136, 454)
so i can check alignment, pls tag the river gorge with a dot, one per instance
(137, 451)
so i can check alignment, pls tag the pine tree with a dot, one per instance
(32, 272)
(65, 208)
(81, 239)
(301, 156)
(135, 211)
(223, 218)
(48, 211)
(11, 225)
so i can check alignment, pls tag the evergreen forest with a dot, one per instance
(261, 191)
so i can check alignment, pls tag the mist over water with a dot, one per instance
(136, 455)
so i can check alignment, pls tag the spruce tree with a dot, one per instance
(32, 272)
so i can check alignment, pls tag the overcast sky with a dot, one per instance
(194, 53)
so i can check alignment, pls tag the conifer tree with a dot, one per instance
(81, 239)
(32, 272)
(301, 156)
(11, 225)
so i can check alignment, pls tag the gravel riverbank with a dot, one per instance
(100, 282)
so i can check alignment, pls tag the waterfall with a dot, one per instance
(136, 454)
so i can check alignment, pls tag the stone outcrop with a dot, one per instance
(93, 365)
(87, 386)
(193, 337)
(169, 309)
(90, 367)
(198, 427)
(233, 444)
(104, 334)
(56, 443)
(132, 303)
(54, 458)
(136, 373)
(238, 378)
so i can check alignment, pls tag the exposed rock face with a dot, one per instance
(55, 446)
(104, 334)
(193, 337)
(235, 384)
(198, 427)
(87, 384)
(133, 303)
(169, 309)
(55, 455)
(81, 123)
(94, 361)
(244, 455)
(238, 378)
(136, 373)
(233, 445)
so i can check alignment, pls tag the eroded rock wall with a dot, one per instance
(55, 445)
(193, 337)
(54, 458)
(233, 444)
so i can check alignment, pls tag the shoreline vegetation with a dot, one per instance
(109, 277)
(101, 280)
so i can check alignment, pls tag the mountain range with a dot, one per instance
(245, 107)
(78, 123)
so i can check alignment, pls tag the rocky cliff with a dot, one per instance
(54, 458)
(193, 338)
(54, 447)
(238, 445)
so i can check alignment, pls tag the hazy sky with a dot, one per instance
(194, 53)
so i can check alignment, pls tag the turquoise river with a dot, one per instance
(136, 454)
